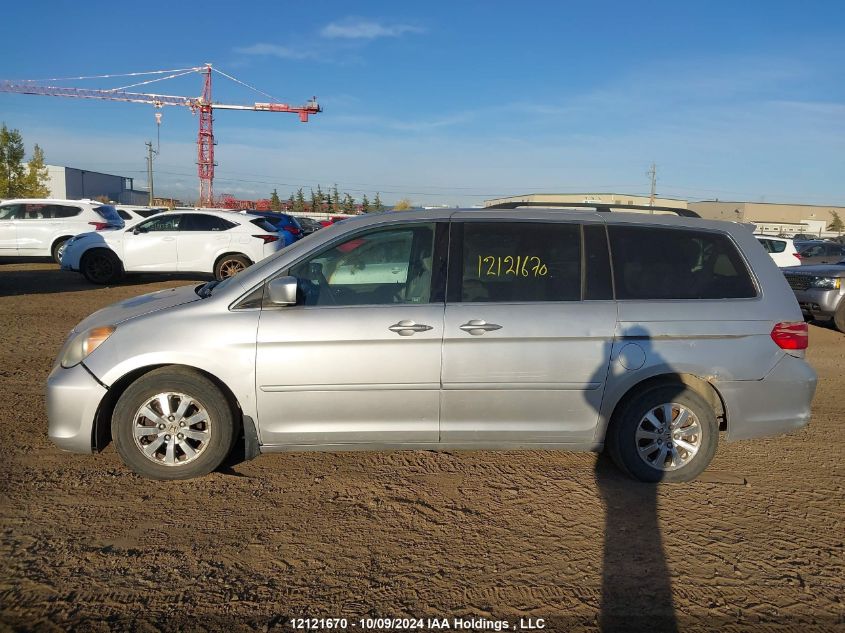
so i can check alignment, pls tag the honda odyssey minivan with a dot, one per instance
(578, 329)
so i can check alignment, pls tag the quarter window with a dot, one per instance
(382, 267)
(517, 261)
(658, 263)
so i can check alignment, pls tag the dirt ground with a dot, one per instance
(756, 545)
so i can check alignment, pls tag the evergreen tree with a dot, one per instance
(837, 224)
(275, 201)
(335, 199)
(377, 205)
(348, 204)
(365, 204)
(299, 202)
(315, 204)
(321, 199)
(36, 175)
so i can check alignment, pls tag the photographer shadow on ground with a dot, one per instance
(636, 590)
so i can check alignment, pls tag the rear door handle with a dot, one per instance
(167, 239)
(477, 327)
(408, 328)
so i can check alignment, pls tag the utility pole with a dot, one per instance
(653, 173)
(150, 153)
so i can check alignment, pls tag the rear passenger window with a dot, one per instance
(777, 246)
(658, 263)
(194, 222)
(518, 261)
(61, 211)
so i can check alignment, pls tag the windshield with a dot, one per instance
(110, 215)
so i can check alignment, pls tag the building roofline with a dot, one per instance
(781, 204)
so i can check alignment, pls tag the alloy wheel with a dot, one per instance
(668, 436)
(172, 429)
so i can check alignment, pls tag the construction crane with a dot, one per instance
(202, 105)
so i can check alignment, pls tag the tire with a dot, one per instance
(839, 316)
(636, 444)
(230, 265)
(58, 249)
(196, 410)
(101, 267)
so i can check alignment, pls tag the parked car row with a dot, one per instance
(785, 251)
(105, 242)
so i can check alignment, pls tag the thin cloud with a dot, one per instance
(275, 50)
(359, 29)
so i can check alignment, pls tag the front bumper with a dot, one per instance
(73, 397)
(818, 302)
(777, 404)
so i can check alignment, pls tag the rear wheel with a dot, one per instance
(101, 267)
(667, 433)
(230, 265)
(59, 249)
(173, 423)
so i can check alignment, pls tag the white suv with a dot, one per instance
(218, 242)
(38, 227)
(780, 249)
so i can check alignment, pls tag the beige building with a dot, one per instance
(612, 198)
(771, 217)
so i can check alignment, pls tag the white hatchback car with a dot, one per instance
(40, 227)
(218, 242)
(780, 249)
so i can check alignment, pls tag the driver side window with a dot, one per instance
(381, 267)
(164, 223)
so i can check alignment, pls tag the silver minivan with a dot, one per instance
(645, 335)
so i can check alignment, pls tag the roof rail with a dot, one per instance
(602, 207)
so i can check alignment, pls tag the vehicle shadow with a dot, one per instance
(636, 593)
(16, 282)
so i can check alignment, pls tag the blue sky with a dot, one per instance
(453, 102)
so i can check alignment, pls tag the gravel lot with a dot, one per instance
(756, 544)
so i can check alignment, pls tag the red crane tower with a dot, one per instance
(202, 105)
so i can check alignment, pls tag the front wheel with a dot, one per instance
(173, 423)
(229, 266)
(668, 433)
(101, 267)
(839, 316)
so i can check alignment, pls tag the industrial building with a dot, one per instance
(612, 198)
(71, 183)
(769, 217)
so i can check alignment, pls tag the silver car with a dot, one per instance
(643, 335)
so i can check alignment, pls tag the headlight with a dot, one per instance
(828, 283)
(78, 348)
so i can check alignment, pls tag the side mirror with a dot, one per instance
(281, 291)
(138, 230)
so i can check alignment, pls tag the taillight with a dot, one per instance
(267, 238)
(797, 256)
(290, 228)
(99, 226)
(791, 335)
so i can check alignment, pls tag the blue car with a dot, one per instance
(287, 225)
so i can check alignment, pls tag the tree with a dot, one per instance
(335, 199)
(275, 201)
(403, 205)
(348, 204)
(299, 202)
(377, 205)
(101, 198)
(365, 204)
(321, 200)
(837, 225)
(36, 176)
(12, 174)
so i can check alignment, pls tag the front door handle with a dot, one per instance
(167, 239)
(408, 328)
(477, 327)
